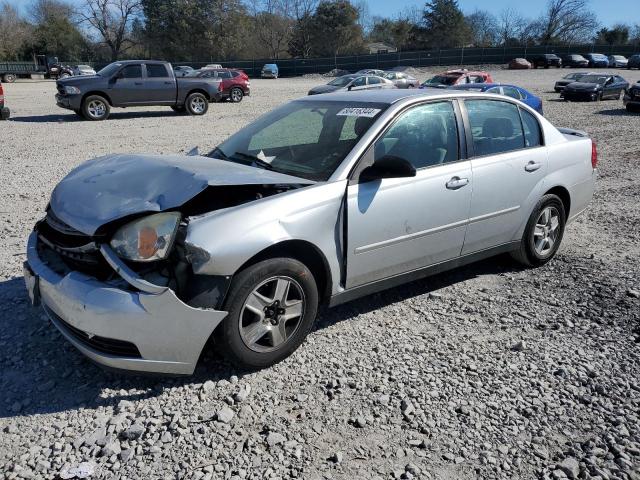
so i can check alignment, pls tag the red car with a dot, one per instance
(235, 83)
(4, 111)
(457, 77)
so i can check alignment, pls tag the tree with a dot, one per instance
(567, 21)
(393, 32)
(112, 20)
(15, 32)
(300, 43)
(272, 26)
(54, 32)
(483, 27)
(334, 29)
(512, 28)
(618, 35)
(444, 25)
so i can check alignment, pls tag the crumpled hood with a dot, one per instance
(582, 86)
(107, 188)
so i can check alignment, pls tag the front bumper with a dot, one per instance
(585, 96)
(631, 99)
(119, 326)
(70, 102)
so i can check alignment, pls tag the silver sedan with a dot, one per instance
(141, 258)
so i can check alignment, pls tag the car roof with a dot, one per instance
(388, 96)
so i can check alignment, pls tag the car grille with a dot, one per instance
(109, 346)
(77, 250)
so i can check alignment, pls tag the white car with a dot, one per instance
(80, 70)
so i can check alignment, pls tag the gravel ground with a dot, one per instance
(488, 371)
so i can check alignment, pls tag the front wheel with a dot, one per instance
(95, 108)
(197, 104)
(543, 233)
(236, 95)
(272, 306)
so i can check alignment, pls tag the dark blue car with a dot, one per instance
(597, 60)
(513, 91)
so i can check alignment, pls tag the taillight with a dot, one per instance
(220, 87)
(594, 155)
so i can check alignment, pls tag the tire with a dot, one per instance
(95, 108)
(236, 94)
(180, 109)
(9, 78)
(196, 104)
(249, 338)
(534, 249)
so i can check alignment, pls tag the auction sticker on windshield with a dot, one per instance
(358, 112)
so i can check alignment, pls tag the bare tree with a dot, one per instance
(567, 21)
(14, 32)
(511, 26)
(484, 28)
(112, 19)
(273, 25)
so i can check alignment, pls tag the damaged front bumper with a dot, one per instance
(140, 326)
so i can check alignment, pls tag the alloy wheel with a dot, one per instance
(198, 105)
(271, 314)
(97, 108)
(546, 231)
(236, 94)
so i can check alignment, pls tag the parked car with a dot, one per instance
(512, 91)
(401, 79)
(80, 70)
(270, 70)
(519, 64)
(597, 60)
(617, 61)
(456, 77)
(634, 61)
(140, 258)
(353, 82)
(574, 60)
(631, 98)
(547, 60)
(570, 78)
(370, 71)
(136, 83)
(5, 113)
(183, 70)
(213, 65)
(596, 86)
(235, 83)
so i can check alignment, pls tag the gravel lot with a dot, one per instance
(485, 372)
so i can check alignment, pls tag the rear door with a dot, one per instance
(396, 225)
(509, 163)
(127, 87)
(160, 85)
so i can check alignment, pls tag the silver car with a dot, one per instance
(353, 83)
(140, 259)
(402, 79)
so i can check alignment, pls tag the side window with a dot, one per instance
(512, 92)
(132, 71)
(360, 82)
(425, 135)
(532, 133)
(156, 70)
(373, 80)
(495, 126)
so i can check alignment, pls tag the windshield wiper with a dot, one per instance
(219, 154)
(253, 159)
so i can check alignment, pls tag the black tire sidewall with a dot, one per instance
(528, 239)
(85, 106)
(241, 286)
(190, 97)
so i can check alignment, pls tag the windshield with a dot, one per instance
(307, 139)
(340, 81)
(594, 79)
(109, 69)
(441, 80)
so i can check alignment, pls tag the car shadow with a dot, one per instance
(42, 373)
(618, 112)
(64, 118)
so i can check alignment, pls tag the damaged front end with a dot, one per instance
(154, 314)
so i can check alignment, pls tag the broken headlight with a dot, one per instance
(147, 239)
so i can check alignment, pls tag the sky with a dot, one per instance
(608, 12)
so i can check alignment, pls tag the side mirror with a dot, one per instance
(388, 166)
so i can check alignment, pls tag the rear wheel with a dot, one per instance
(543, 233)
(236, 95)
(9, 78)
(95, 108)
(197, 104)
(272, 306)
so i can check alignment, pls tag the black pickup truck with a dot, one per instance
(136, 83)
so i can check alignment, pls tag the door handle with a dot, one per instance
(532, 166)
(456, 183)
(168, 83)
(137, 83)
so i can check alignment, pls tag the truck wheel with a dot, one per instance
(236, 95)
(543, 233)
(272, 306)
(95, 108)
(9, 78)
(197, 104)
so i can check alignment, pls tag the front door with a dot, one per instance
(127, 86)
(396, 225)
(509, 165)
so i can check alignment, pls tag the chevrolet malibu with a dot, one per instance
(140, 260)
